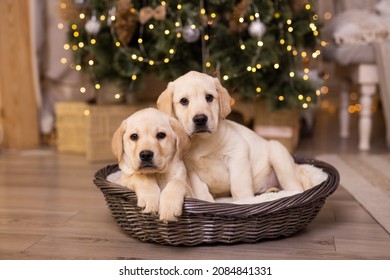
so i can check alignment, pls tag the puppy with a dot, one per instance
(149, 146)
(226, 158)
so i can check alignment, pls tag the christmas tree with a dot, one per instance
(258, 48)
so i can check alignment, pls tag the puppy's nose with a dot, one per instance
(146, 155)
(200, 119)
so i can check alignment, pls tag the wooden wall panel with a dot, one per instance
(19, 110)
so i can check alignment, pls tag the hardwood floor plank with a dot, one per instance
(16, 243)
(372, 249)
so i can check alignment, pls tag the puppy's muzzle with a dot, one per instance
(146, 159)
(200, 122)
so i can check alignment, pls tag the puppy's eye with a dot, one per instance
(160, 135)
(209, 98)
(134, 137)
(184, 101)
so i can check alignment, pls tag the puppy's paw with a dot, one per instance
(169, 211)
(149, 201)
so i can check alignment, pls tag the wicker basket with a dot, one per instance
(205, 222)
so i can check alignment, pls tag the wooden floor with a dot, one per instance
(50, 209)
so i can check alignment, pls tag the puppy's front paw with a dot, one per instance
(149, 201)
(169, 211)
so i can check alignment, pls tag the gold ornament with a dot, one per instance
(125, 22)
(239, 11)
(296, 5)
(147, 13)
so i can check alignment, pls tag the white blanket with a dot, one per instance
(316, 174)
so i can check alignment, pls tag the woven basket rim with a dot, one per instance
(195, 206)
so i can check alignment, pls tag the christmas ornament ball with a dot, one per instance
(256, 29)
(190, 34)
(92, 26)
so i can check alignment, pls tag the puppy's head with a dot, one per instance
(197, 100)
(148, 141)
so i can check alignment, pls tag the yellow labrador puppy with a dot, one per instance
(226, 158)
(149, 146)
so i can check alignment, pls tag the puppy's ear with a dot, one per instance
(164, 101)
(224, 99)
(183, 141)
(117, 141)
